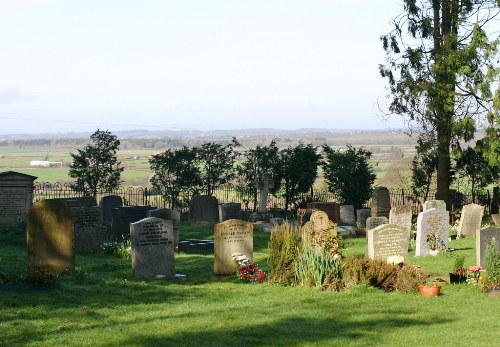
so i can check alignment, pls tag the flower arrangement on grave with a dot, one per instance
(459, 273)
(248, 271)
(473, 274)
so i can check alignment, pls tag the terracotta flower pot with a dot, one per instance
(427, 291)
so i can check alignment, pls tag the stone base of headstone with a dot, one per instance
(176, 277)
(221, 277)
(196, 246)
(202, 224)
(346, 231)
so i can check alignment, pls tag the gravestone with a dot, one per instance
(85, 201)
(264, 184)
(230, 210)
(470, 220)
(108, 203)
(483, 239)
(203, 209)
(319, 229)
(429, 222)
(122, 217)
(495, 201)
(49, 229)
(362, 215)
(496, 219)
(381, 202)
(373, 222)
(437, 204)
(347, 216)
(16, 196)
(332, 209)
(87, 227)
(168, 214)
(231, 236)
(387, 241)
(152, 242)
(402, 215)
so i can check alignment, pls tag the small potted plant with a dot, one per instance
(459, 274)
(427, 290)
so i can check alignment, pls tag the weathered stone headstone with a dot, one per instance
(347, 216)
(230, 210)
(483, 239)
(87, 229)
(50, 235)
(231, 236)
(373, 222)
(431, 222)
(402, 215)
(152, 241)
(362, 215)
(470, 220)
(123, 216)
(332, 209)
(85, 201)
(16, 196)
(496, 219)
(108, 203)
(319, 228)
(387, 241)
(203, 209)
(264, 184)
(381, 202)
(168, 214)
(437, 204)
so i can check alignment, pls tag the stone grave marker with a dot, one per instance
(123, 216)
(431, 222)
(373, 222)
(85, 201)
(386, 241)
(168, 214)
(402, 215)
(16, 196)
(230, 210)
(438, 204)
(231, 236)
(470, 220)
(381, 202)
(108, 203)
(332, 209)
(319, 228)
(362, 215)
(49, 228)
(88, 230)
(483, 239)
(347, 216)
(152, 241)
(203, 209)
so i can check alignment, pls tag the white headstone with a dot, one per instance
(401, 215)
(431, 222)
(387, 240)
(470, 220)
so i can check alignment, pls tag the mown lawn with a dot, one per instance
(103, 305)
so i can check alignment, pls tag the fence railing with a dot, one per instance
(147, 196)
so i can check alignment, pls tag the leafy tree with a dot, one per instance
(348, 174)
(259, 161)
(176, 172)
(217, 164)
(297, 171)
(95, 167)
(440, 70)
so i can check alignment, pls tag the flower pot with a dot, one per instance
(427, 291)
(457, 278)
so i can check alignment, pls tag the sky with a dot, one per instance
(73, 65)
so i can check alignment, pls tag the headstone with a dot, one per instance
(495, 201)
(347, 216)
(168, 214)
(483, 239)
(496, 219)
(362, 215)
(433, 221)
(387, 241)
(152, 242)
(108, 203)
(470, 220)
(381, 202)
(402, 215)
(319, 229)
(85, 201)
(264, 184)
(332, 209)
(122, 217)
(16, 196)
(204, 209)
(373, 222)
(231, 236)
(437, 204)
(49, 228)
(88, 231)
(230, 210)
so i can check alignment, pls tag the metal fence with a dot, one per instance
(147, 196)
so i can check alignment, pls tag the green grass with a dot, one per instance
(105, 306)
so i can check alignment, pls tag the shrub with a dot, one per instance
(353, 272)
(409, 278)
(380, 274)
(492, 262)
(284, 248)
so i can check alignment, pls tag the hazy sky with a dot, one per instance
(74, 65)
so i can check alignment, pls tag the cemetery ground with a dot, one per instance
(102, 304)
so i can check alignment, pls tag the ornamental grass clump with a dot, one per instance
(492, 263)
(316, 267)
(284, 248)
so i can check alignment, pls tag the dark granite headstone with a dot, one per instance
(108, 203)
(483, 239)
(87, 229)
(381, 202)
(332, 209)
(203, 209)
(123, 216)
